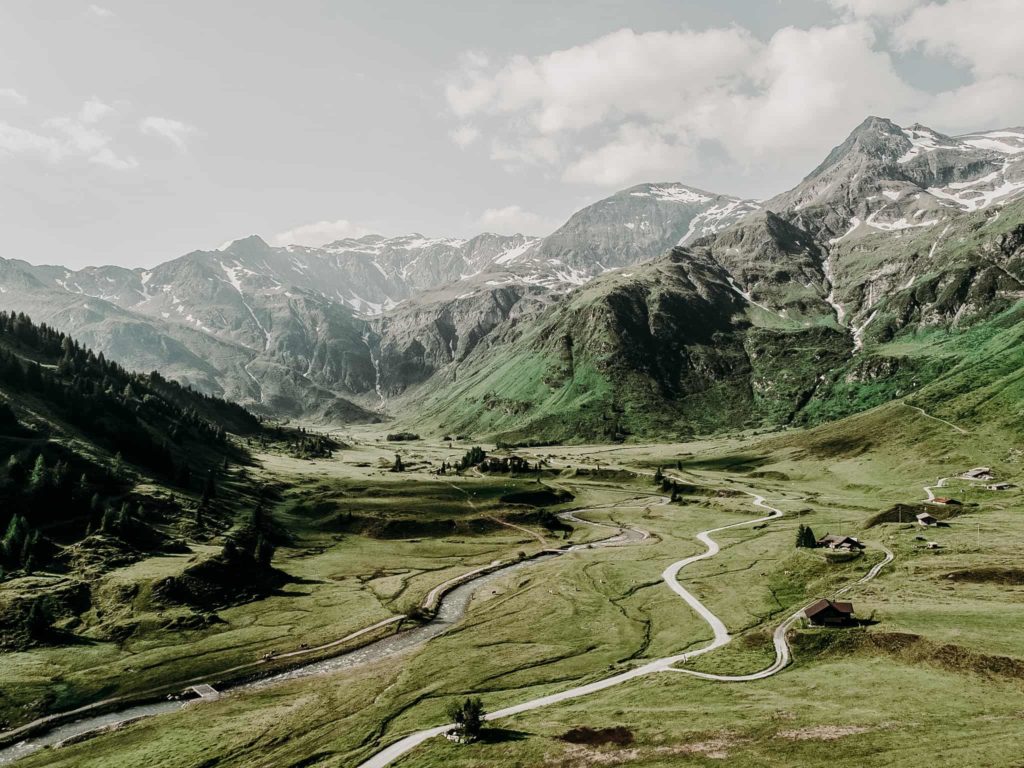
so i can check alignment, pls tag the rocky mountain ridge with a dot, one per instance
(892, 234)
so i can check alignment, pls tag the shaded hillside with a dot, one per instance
(777, 319)
(79, 439)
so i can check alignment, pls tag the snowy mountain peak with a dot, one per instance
(672, 193)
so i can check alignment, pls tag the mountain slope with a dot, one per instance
(857, 286)
(277, 329)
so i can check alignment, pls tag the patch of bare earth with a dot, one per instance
(823, 732)
(579, 755)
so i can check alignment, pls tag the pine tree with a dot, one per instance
(14, 539)
(37, 479)
(658, 475)
(805, 537)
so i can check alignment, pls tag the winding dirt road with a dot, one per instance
(720, 637)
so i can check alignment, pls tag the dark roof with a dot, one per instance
(831, 538)
(823, 605)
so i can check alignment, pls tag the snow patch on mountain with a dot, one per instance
(675, 193)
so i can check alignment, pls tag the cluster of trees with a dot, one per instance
(19, 546)
(472, 457)
(311, 446)
(468, 717)
(805, 537)
(511, 464)
(399, 437)
(253, 543)
(138, 416)
(52, 486)
(49, 491)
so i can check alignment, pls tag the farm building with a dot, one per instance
(926, 519)
(1000, 486)
(946, 502)
(844, 543)
(829, 613)
(979, 473)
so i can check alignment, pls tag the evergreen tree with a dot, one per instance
(14, 539)
(37, 479)
(658, 475)
(805, 537)
(468, 718)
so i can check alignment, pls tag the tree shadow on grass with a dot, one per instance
(501, 735)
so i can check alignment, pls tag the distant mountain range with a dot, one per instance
(661, 308)
(290, 330)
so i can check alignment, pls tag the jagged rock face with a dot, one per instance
(663, 348)
(774, 263)
(422, 338)
(890, 179)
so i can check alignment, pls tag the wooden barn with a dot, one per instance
(829, 613)
(842, 543)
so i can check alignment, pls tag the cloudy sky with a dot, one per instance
(133, 132)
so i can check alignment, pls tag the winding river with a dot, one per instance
(451, 607)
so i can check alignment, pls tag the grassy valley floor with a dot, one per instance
(934, 675)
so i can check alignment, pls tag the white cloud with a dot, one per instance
(630, 107)
(637, 152)
(863, 9)
(103, 13)
(622, 73)
(536, 150)
(18, 141)
(464, 135)
(11, 96)
(94, 110)
(512, 219)
(320, 232)
(981, 34)
(994, 102)
(173, 131)
(68, 137)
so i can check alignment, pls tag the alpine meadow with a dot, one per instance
(691, 435)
